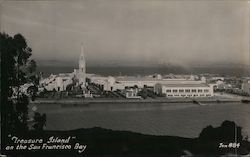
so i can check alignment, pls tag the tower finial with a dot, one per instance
(82, 48)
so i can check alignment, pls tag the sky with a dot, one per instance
(132, 32)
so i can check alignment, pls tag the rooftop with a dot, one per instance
(130, 78)
(186, 85)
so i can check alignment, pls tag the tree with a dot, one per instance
(69, 87)
(32, 91)
(17, 69)
(223, 133)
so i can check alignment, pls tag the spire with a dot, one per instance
(82, 59)
(82, 68)
(82, 52)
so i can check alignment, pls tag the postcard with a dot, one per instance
(125, 78)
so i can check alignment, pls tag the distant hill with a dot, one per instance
(231, 70)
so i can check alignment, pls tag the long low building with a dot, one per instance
(184, 90)
(173, 87)
(115, 83)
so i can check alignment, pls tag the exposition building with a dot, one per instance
(246, 85)
(61, 81)
(171, 87)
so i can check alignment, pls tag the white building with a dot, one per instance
(246, 85)
(61, 81)
(57, 82)
(184, 90)
(185, 87)
(132, 93)
(218, 78)
(140, 82)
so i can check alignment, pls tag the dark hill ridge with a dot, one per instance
(140, 70)
(106, 142)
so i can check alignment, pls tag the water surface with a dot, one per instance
(185, 120)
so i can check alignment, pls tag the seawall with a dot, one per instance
(160, 100)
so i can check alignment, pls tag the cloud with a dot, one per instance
(133, 32)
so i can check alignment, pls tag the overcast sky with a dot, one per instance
(133, 32)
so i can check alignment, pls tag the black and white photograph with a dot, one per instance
(121, 78)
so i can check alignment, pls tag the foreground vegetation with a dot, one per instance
(104, 142)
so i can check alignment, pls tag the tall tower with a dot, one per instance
(82, 68)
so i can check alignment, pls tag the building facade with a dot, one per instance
(61, 81)
(184, 90)
(120, 83)
(171, 87)
(246, 86)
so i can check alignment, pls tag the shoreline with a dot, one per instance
(78, 101)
